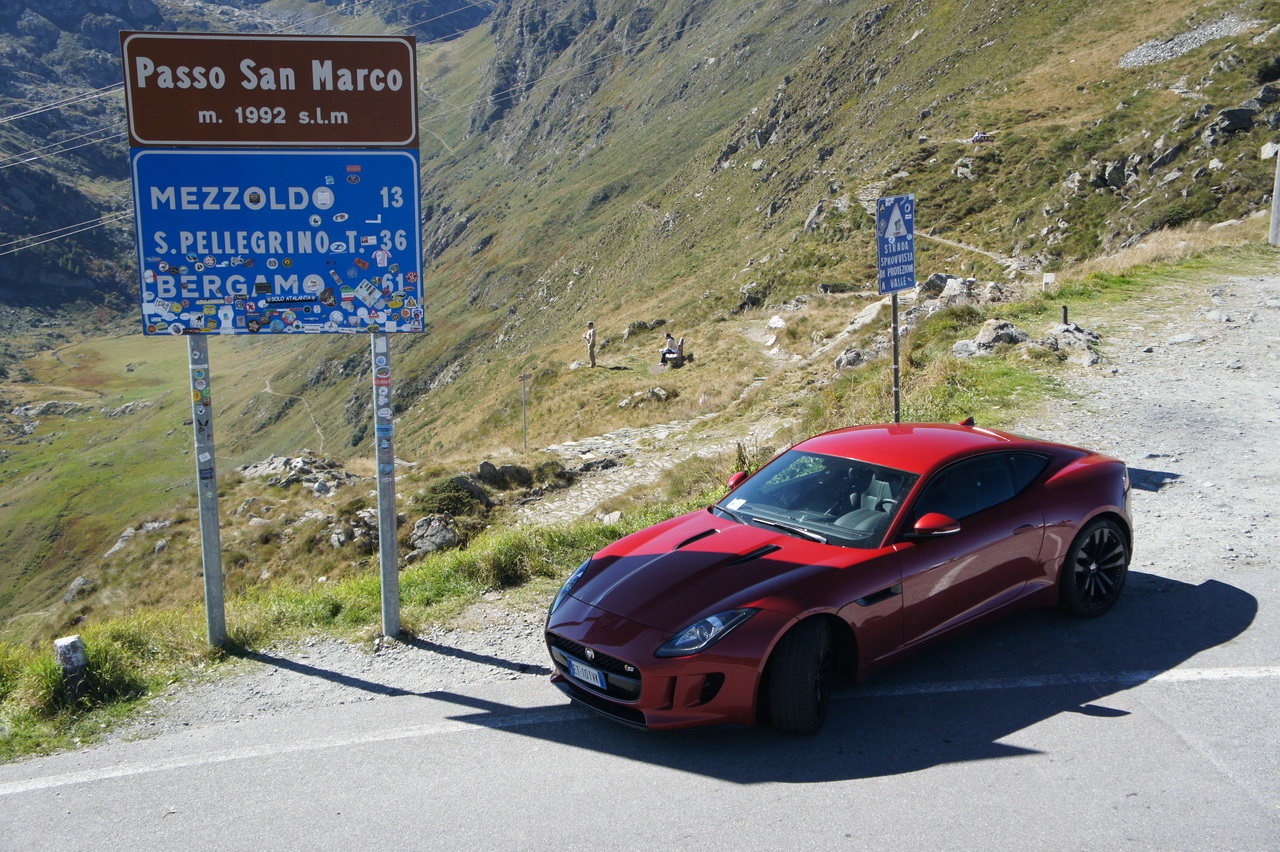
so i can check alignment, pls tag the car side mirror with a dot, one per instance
(934, 524)
(736, 479)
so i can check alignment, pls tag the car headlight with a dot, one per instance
(568, 586)
(701, 635)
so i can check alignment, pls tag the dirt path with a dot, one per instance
(305, 404)
(1188, 397)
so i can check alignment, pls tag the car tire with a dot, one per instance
(799, 678)
(1094, 573)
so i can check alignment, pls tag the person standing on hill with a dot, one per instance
(590, 337)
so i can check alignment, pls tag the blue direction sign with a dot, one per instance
(896, 243)
(242, 241)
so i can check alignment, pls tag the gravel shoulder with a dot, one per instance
(1188, 397)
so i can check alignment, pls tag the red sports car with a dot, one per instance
(844, 553)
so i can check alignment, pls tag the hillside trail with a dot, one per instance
(266, 388)
(1188, 397)
(643, 454)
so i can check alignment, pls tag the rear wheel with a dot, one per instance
(799, 678)
(1094, 572)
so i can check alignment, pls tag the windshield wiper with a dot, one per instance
(733, 516)
(800, 531)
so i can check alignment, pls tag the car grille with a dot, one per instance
(622, 680)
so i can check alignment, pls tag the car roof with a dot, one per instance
(912, 447)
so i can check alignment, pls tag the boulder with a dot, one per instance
(515, 476)
(995, 332)
(959, 291)
(79, 587)
(469, 485)
(935, 284)
(1072, 343)
(431, 534)
(851, 357)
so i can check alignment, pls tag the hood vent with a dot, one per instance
(699, 537)
(755, 554)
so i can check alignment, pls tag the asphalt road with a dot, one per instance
(1153, 728)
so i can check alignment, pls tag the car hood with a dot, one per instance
(672, 575)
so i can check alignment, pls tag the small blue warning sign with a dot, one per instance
(896, 243)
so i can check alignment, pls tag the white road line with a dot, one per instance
(559, 714)
(445, 726)
(1124, 678)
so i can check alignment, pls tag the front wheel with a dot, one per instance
(1094, 572)
(799, 678)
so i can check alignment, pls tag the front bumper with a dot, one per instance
(607, 664)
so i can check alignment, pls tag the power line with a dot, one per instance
(113, 88)
(95, 93)
(87, 225)
(27, 156)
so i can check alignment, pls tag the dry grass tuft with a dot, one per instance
(1173, 245)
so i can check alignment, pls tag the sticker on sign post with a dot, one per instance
(896, 243)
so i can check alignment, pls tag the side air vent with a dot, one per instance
(755, 554)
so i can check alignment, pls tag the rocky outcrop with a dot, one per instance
(431, 534)
(319, 474)
(1067, 342)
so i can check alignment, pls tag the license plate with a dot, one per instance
(595, 677)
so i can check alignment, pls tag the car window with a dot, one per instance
(972, 485)
(1026, 467)
(840, 500)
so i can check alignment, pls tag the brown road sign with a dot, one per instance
(204, 89)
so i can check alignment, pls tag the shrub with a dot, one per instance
(446, 495)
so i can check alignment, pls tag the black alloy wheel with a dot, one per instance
(1094, 572)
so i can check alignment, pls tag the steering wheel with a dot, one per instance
(886, 505)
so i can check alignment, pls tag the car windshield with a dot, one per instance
(825, 498)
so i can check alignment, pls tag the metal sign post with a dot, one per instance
(524, 409)
(207, 489)
(896, 256)
(897, 365)
(383, 426)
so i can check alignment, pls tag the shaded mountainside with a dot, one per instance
(62, 149)
(678, 164)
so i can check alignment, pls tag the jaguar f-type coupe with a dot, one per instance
(844, 553)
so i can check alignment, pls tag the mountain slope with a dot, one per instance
(696, 164)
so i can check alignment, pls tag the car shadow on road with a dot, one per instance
(377, 688)
(955, 704)
(1151, 480)
(470, 656)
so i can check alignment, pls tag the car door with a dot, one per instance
(952, 578)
